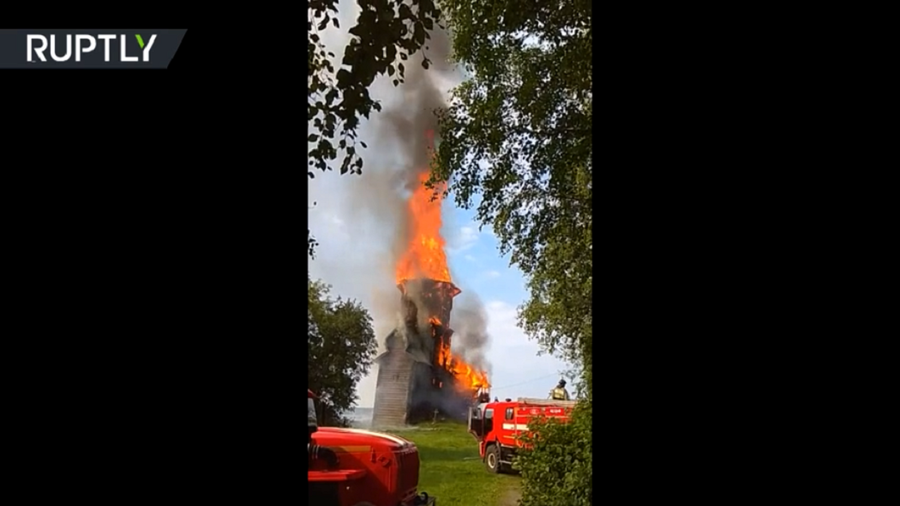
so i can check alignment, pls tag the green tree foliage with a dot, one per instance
(553, 472)
(516, 143)
(342, 346)
(518, 137)
(337, 97)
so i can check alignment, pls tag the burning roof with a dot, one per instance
(423, 277)
(420, 375)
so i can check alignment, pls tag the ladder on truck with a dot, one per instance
(546, 402)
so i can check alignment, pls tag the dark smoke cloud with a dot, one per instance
(407, 120)
(470, 337)
(374, 204)
(367, 221)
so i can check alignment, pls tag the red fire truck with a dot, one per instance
(352, 467)
(498, 425)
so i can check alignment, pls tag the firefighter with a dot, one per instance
(560, 393)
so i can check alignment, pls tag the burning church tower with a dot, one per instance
(418, 373)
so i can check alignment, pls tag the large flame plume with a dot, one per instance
(425, 257)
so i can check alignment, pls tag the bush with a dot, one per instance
(341, 348)
(557, 470)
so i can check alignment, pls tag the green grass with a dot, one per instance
(452, 471)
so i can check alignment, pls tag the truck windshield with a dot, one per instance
(312, 419)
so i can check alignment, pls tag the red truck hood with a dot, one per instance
(336, 437)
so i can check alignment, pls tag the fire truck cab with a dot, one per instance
(352, 467)
(497, 426)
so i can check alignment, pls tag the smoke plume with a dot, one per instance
(365, 217)
(470, 336)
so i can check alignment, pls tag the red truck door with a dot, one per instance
(524, 414)
(508, 424)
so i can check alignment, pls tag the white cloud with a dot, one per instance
(335, 220)
(518, 371)
(492, 274)
(468, 235)
(502, 323)
(464, 238)
(470, 258)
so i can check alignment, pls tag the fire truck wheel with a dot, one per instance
(492, 459)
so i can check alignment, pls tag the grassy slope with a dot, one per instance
(451, 470)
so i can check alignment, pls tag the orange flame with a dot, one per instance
(468, 378)
(424, 256)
